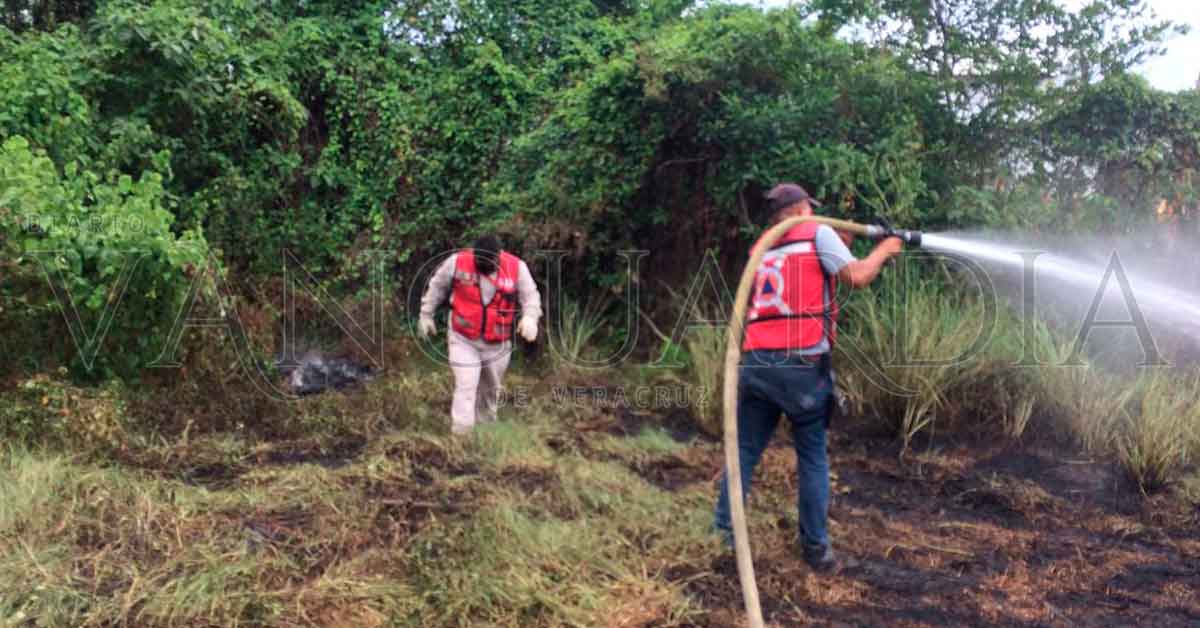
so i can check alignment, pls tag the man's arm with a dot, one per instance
(439, 287)
(527, 294)
(531, 304)
(860, 273)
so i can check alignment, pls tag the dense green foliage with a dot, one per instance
(356, 133)
(105, 247)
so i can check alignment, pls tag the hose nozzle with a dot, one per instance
(910, 238)
(881, 231)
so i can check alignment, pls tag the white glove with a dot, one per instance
(427, 327)
(527, 328)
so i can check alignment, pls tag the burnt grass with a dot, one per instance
(969, 533)
(978, 532)
(966, 535)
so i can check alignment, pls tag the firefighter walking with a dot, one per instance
(485, 286)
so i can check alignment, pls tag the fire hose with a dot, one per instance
(733, 355)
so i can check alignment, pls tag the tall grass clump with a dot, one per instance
(707, 374)
(1156, 438)
(1148, 421)
(915, 357)
(705, 347)
(701, 351)
(1084, 403)
(575, 332)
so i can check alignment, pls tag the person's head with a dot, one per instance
(787, 200)
(487, 252)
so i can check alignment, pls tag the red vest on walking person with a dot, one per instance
(788, 309)
(469, 317)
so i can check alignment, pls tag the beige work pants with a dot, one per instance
(478, 369)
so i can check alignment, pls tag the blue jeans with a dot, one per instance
(771, 383)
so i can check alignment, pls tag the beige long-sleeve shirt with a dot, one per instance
(439, 288)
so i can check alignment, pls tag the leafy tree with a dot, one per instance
(352, 133)
(1123, 141)
(999, 64)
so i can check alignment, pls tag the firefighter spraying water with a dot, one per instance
(778, 362)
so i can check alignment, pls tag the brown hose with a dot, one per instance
(733, 355)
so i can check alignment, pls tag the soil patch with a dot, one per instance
(425, 458)
(224, 474)
(722, 603)
(672, 473)
(529, 480)
(1069, 477)
(677, 423)
(334, 456)
(406, 505)
(622, 419)
(214, 476)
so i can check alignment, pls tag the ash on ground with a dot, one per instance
(315, 373)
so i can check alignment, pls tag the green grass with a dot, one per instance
(96, 547)
(515, 565)
(508, 443)
(418, 528)
(652, 441)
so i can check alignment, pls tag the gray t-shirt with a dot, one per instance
(833, 252)
(834, 256)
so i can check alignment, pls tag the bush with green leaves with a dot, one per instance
(93, 257)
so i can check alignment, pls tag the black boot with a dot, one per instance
(819, 557)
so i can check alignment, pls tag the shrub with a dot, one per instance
(47, 410)
(105, 244)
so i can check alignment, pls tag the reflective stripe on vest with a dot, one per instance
(787, 308)
(469, 317)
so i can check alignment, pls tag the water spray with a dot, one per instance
(733, 355)
(1155, 299)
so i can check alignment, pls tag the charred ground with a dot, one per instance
(586, 515)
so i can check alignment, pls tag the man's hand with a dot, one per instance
(426, 327)
(527, 328)
(890, 247)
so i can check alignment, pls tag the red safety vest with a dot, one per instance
(469, 317)
(787, 309)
